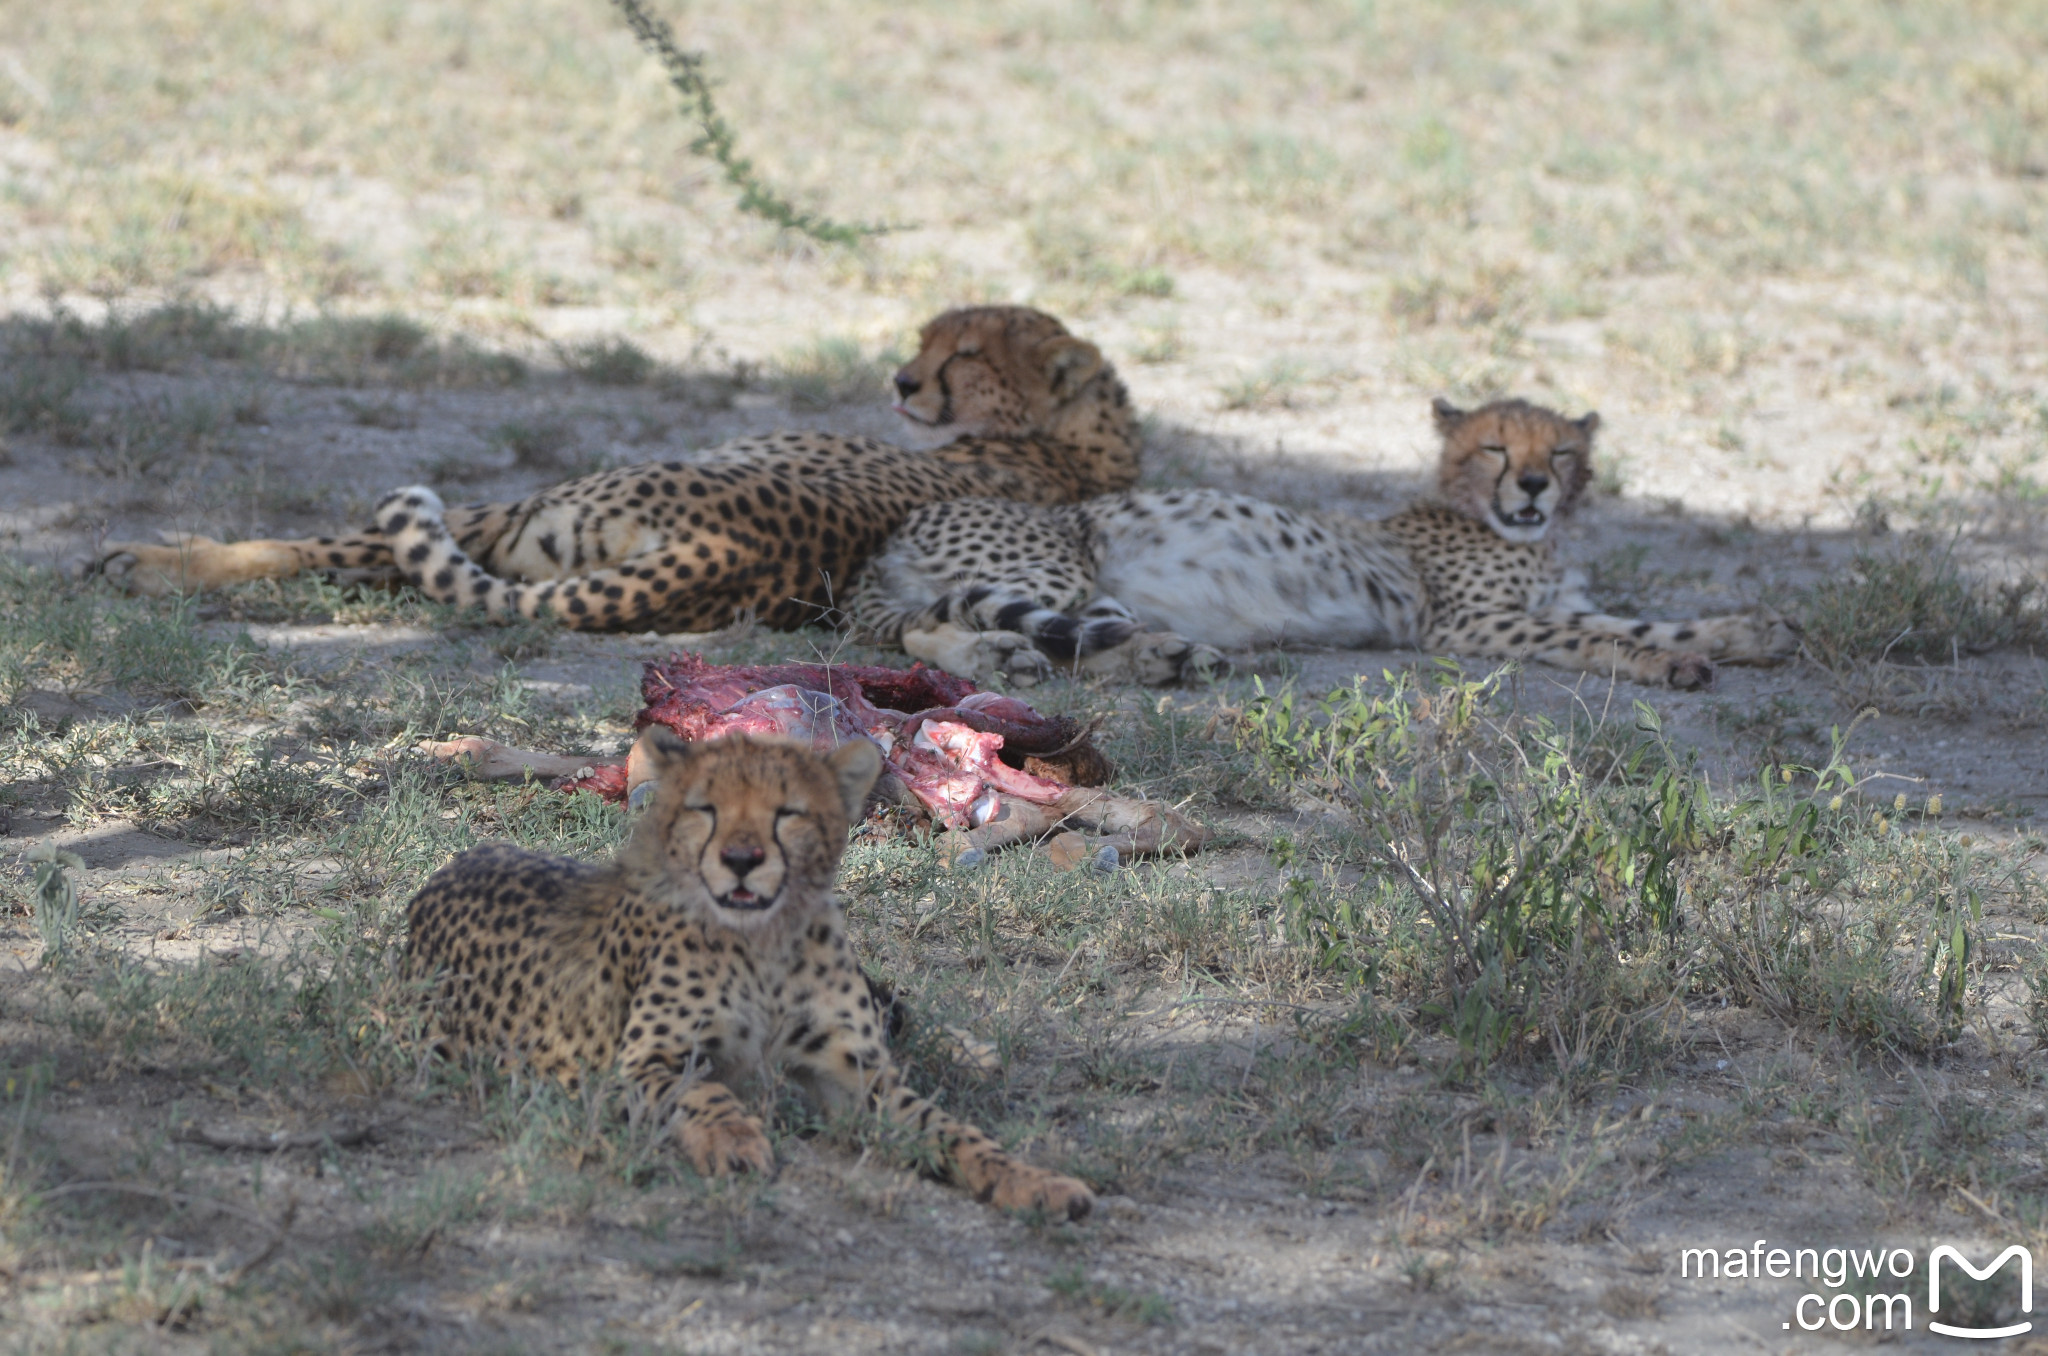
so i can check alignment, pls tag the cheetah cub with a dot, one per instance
(1149, 586)
(710, 950)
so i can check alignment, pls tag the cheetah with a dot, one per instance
(1151, 586)
(764, 527)
(710, 950)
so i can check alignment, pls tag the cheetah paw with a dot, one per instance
(1024, 664)
(1008, 653)
(976, 655)
(1203, 664)
(1023, 1187)
(732, 1142)
(1691, 673)
(1160, 657)
(152, 571)
(1771, 635)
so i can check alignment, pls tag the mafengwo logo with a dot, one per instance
(1947, 1253)
(1873, 1288)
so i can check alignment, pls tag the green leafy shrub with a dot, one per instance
(1551, 888)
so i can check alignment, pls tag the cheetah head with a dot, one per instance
(1512, 465)
(744, 831)
(995, 371)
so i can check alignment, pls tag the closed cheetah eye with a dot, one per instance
(1495, 449)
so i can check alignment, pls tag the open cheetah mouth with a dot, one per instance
(745, 900)
(1526, 516)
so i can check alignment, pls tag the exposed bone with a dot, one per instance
(488, 760)
(1135, 828)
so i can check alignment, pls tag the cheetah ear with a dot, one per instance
(856, 763)
(653, 754)
(1589, 424)
(663, 747)
(1070, 363)
(1447, 415)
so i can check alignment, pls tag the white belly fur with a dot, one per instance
(1229, 581)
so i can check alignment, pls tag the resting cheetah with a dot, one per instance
(711, 949)
(1144, 585)
(768, 527)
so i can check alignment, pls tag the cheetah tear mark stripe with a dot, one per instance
(945, 392)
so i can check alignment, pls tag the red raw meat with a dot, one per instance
(957, 749)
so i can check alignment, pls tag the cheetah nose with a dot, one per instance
(740, 858)
(907, 385)
(1533, 482)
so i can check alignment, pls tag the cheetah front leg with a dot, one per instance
(1681, 654)
(1761, 636)
(1655, 653)
(670, 1042)
(837, 1055)
(974, 1160)
(718, 1134)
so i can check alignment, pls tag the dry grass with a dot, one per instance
(1452, 177)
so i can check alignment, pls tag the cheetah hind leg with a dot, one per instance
(191, 563)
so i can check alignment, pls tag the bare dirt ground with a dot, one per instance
(1792, 254)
